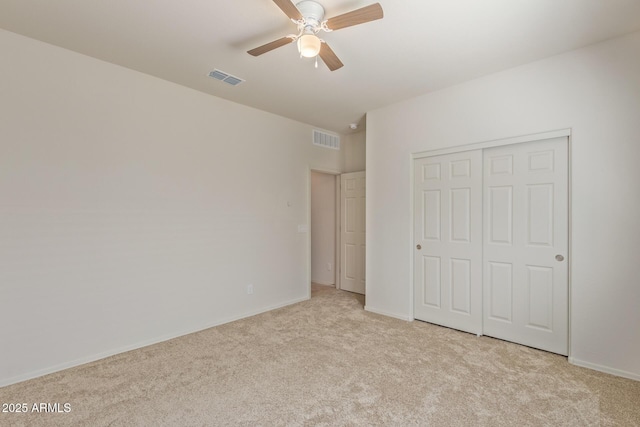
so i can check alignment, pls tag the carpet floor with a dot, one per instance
(328, 362)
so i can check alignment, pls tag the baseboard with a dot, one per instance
(84, 360)
(386, 313)
(605, 369)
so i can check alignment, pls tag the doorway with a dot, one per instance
(337, 233)
(324, 220)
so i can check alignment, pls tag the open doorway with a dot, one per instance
(324, 226)
(327, 209)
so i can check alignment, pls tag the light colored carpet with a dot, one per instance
(328, 362)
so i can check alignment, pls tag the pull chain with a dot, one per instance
(316, 62)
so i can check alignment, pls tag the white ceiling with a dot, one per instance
(419, 46)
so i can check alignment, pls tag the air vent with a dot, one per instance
(327, 140)
(225, 77)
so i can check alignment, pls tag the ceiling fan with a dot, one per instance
(308, 15)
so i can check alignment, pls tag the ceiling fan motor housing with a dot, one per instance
(312, 12)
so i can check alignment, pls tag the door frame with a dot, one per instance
(336, 263)
(482, 145)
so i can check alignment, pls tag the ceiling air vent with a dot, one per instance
(327, 140)
(225, 77)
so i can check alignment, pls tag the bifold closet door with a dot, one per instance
(448, 240)
(526, 243)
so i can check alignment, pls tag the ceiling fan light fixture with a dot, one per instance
(309, 45)
(308, 15)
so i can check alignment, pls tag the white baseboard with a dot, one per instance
(92, 358)
(605, 369)
(386, 313)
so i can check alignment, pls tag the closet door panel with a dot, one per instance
(448, 240)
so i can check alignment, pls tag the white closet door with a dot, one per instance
(526, 243)
(448, 240)
(352, 231)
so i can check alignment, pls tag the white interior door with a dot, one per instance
(526, 243)
(352, 232)
(448, 240)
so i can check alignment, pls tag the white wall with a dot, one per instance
(594, 91)
(323, 228)
(353, 147)
(133, 210)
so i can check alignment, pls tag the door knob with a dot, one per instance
(559, 258)
(418, 247)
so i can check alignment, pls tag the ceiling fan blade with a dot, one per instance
(289, 9)
(329, 57)
(270, 46)
(358, 16)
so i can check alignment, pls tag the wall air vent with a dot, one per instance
(327, 140)
(225, 77)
